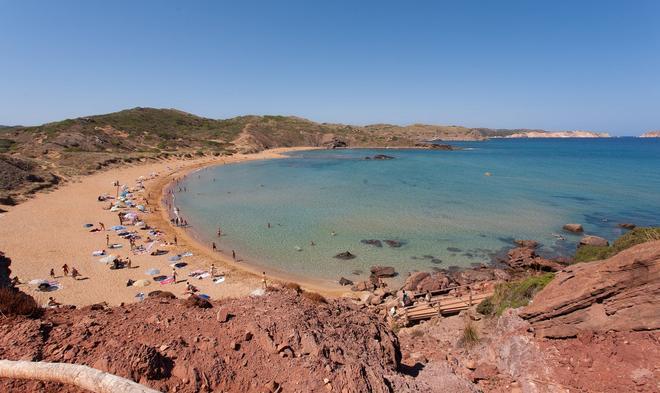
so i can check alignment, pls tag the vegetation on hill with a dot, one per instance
(636, 236)
(514, 294)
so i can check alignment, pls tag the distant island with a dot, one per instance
(650, 134)
(559, 134)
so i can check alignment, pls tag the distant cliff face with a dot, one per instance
(650, 134)
(559, 134)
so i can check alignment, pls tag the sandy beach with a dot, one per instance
(48, 231)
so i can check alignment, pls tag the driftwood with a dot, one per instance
(71, 374)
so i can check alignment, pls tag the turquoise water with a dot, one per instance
(439, 204)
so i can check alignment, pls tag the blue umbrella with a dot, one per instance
(118, 228)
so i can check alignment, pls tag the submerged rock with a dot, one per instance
(383, 271)
(575, 228)
(527, 243)
(372, 242)
(393, 243)
(346, 255)
(345, 281)
(627, 225)
(382, 157)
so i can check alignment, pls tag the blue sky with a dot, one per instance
(510, 64)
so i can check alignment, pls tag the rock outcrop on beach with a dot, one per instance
(282, 341)
(595, 241)
(527, 258)
(617, 294)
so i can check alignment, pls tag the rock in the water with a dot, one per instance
(437, 146)
(345, 281)
(527, 243)
(382, 157)
(346, 255)
(575, 228)
(383, 271)
(393, 243)
(627, 225)
(619, 294)
(524, 257)
(594, 241)
(372, 242)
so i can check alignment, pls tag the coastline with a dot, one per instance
(46, 232)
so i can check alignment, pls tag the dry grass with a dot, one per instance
(315, 297)
(293, 286)
(14, 302)
(470, 335)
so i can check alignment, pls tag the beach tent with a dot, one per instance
(152, 271)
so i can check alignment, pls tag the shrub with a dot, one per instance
(518, 293)
(293, 286)
(634, 237)
(13, 302)
(486, 307)
(315, 297)
(470, 335)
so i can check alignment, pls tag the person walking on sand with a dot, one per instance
(212, 271)
(65, 269)
(107, 240)
(74, 273)
(173, 276)
(263, 280)
(175, 241)
(52, 273)
(128, 262)
(214, 246)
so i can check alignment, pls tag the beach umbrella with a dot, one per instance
(152, 271)
(108, 259)
(174, 258)
(118, 228)
(141, 283)
(140, 208)
(88, 225)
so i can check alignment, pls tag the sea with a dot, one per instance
(439, 209)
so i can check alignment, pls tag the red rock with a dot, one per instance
(616, 294)
(594, 241)
(575, 228)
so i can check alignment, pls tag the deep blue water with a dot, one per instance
(439, 204)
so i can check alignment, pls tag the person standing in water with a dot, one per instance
(233, 254)
(219, 232)
(214, 246)
(263, 280)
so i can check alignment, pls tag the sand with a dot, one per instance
(47, 232)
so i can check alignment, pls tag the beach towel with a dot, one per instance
(196, 273)
(98, 253)
(174, 258)
(115, 245)
(118, 228)
(88, 225)
(204, 296)
(178, 265)
(204, 275)
(139, 296)
(258, 292)
(108, 258)
(141, 283)
(186, 254)
(168, 280)
(219, 280)
(159, 278)
(152, 272)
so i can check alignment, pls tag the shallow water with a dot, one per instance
(438, 204)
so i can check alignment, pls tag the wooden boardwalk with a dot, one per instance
(443, 305)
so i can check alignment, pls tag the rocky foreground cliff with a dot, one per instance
(594, 328)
